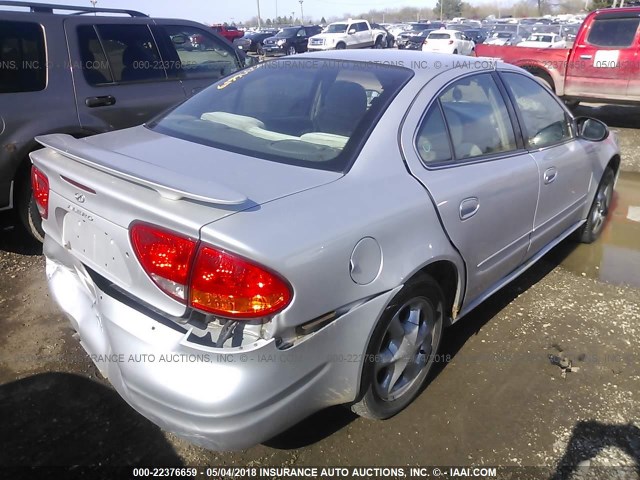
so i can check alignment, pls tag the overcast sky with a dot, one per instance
(214, 11)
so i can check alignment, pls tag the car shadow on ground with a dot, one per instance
(591, 437)
(621, 116)
(60, 419)
(14, 238)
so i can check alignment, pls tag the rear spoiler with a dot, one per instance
(169, 184)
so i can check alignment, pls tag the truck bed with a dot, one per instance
(552, 60)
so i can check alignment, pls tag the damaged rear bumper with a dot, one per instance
(219, 398)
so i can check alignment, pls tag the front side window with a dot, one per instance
(132, 53)
(545, 121)
(195, 53)
(477, 117)
(613, 32)
(306, 113)
(22, 57)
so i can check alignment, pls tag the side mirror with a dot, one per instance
(351, 31)
(592, 129)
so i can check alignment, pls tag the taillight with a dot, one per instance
(227, 285)
(165, 256)
(450, 42)
(424, 43)
(207, 278)
(40, 187)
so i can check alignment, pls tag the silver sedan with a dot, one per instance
(301, 233)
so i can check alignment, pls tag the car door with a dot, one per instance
(365, 36)
(465, 148)
(603, 57)
(196, 68)
(301, 40)
(564, 170)
(118, 72)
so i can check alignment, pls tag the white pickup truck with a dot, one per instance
(348, 34)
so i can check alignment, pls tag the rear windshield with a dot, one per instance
(311, 113)
(439, 36)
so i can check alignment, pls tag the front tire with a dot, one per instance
(341, 46)
(402, 349)
(592, 228)
(291, 50)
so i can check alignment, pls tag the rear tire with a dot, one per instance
(455, 52)
(402, 349)
(597, 217)
(378, 43)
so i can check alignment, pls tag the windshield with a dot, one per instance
(310, 113)
(287, 32)
(502, 35)
(337, 28)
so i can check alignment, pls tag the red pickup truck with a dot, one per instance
(602, 66)
(227, 31)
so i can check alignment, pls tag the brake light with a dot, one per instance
(207, 278)
(165, 256)
(424, 43)
(40, 187)
(450, 42)
(227, 285)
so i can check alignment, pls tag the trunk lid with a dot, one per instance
(100, 185)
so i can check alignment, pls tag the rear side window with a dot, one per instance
(432, 141)
(477, 117)
(545, 122)
(195, 53)
(95, 66)
(131, 52)
(613, 32)
(22, 57)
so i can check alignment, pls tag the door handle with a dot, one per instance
(469, 207)
(104, 101)
(586, 57)
(550, 175)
